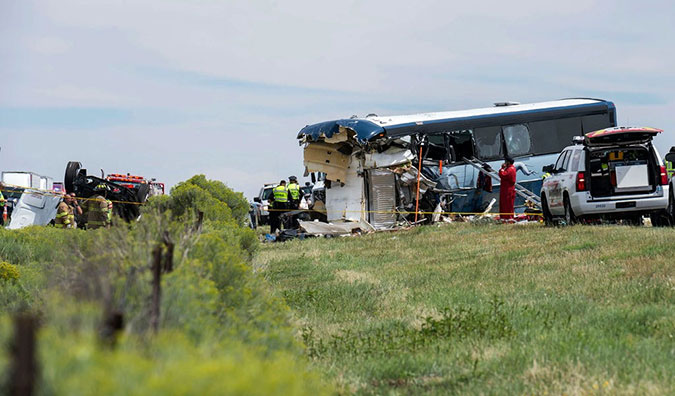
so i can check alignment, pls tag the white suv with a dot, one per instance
(613, 173)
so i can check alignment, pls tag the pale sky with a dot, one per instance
(169, 89)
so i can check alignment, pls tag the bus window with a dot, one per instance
(462, 143)
(550, 136)
(595, 122)
(488, 142)
(517, 139)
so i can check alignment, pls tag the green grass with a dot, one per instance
(485, 309)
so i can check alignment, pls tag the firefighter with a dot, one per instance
(3, 202)
(65, 213)
(110, 211)
(507, 189)
(77, 210)
(97, 208)
(279, 205)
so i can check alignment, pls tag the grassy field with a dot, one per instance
(485, 309)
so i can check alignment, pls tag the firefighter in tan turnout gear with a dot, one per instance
(99, 209)
(65, 213)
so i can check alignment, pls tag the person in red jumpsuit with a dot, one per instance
(507, 189)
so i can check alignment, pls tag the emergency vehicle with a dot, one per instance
(131, 181)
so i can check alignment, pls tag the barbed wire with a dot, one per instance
(38, 191)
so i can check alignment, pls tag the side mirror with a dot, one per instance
(313, 178)
(257, 199)
(548, 169)
(670, 157)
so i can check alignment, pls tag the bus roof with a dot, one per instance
(430, 123)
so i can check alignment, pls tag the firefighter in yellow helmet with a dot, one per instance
(98, 212)
(279, 205)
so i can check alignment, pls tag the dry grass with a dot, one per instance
(587, 310)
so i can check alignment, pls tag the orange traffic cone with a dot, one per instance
(4, 214)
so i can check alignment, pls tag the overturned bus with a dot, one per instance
(370, 164)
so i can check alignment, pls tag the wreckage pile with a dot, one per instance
(369, 186)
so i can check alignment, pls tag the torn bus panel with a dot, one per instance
(345, 200)
(392, 157)
(326, 158)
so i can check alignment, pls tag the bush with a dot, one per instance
(9, 272)
(221, 331)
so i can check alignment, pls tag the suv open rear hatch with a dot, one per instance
(620, 161)
(620, 135)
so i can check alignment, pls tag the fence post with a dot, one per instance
(156, 288)
(24, 365)
(167, 265)
(200, 220)
(112, 324)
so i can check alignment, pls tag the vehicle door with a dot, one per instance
(569, 176)
(554, 185)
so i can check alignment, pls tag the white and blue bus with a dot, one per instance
(533, 134)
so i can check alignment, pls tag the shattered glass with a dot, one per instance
(517, 139)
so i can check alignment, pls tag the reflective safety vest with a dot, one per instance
(280, 194)
(294, 189)
(669, 169)
(2, 200)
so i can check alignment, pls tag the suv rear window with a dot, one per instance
(574, 164)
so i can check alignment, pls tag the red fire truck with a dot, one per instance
(132, 181)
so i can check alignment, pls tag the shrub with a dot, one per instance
(8, 272)
(221, 330)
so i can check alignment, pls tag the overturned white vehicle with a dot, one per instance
(371, 164)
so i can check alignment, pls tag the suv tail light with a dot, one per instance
(612, 177)
(664, 176)
(581, 181)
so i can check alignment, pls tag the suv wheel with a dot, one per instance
(570, 218)
(660, 219)
(548, 217)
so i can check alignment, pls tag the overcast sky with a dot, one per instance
(169, 89)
